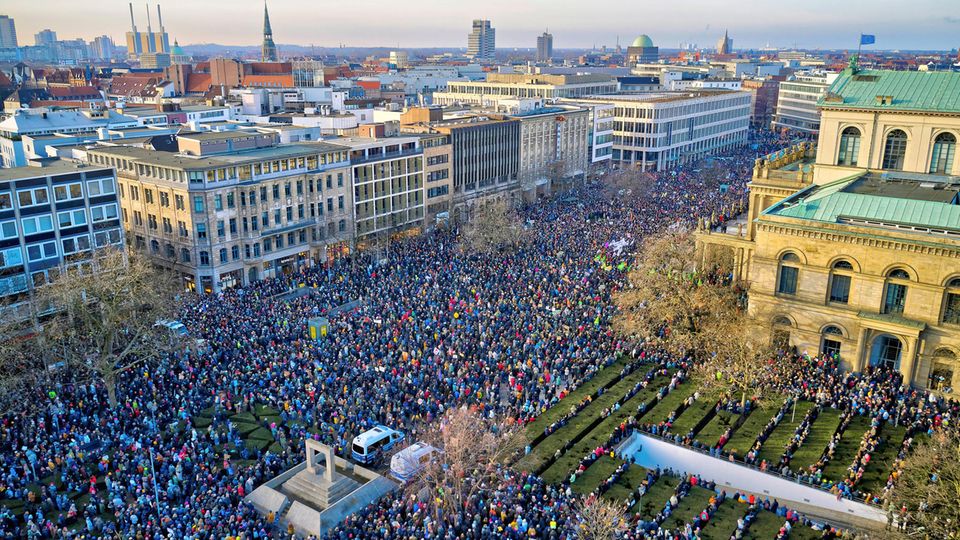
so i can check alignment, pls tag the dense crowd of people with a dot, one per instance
(435, 327)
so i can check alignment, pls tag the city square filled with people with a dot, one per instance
(436, 327)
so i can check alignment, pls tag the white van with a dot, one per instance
(371, 444)
(411, 460)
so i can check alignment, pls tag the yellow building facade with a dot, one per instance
(853, 247)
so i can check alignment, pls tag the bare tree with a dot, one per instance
(666, 289)
(23, 366)
(628, 185)
(736, 357)
(493, 226)
(473, 450)
(928, 487)
(700, 315)
(105, 314)
(600, 519)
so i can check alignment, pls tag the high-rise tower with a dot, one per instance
(481, 42)
(269, 50)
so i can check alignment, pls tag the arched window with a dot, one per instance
(894, 150)
(849, 147)
(941, 372)
(951, 302)
(840, 276)
(944, 147)
(830, 344)
(171, 253)
(789, 273)
(895, 291)
(185, 255)
(154, 247)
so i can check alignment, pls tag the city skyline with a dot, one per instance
(377, 23)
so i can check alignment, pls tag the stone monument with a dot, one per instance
(319, 493)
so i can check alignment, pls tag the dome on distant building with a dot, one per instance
(177, 50)
(642, 41)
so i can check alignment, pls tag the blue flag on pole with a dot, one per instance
(867, 39)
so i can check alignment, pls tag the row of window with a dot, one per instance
(895, 149)
(41, 251)
(64, 192)
(242, 172)
(894, 292)
(68, 218)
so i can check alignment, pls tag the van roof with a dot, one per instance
(374, 434)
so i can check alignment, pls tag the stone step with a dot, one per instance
(304, 488)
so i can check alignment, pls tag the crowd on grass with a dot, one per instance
(436, 326)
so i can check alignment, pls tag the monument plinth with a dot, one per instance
(319, 493)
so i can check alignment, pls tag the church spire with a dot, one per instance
(268, 51)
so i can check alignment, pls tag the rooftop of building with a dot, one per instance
(919, 202)
(177, 160)
(49, 166)
(361, 143)
(661, 97)
(930, 91)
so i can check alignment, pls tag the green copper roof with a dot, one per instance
(642, 41)
(934, 91)
(871, 198)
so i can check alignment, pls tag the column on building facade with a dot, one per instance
(908, 359)
(859, 363)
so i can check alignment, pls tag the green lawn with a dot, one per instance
(656, 497)
(799, 532)
(766, 526)
(596, 473)
(846, 449)
(689, 507)
(562, 468)
(627, 484)
(724, 521)
(821, 432)
(881, 460)
(542, 453)
(589, 387)
(691, 416)
(773, 447)
(743, 438)
(710, 434)
(669, 403)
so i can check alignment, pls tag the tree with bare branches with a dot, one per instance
(600, 519)
(700, 316)
(666, 288)
(928, 487)
(737, 358)
(104, 316)
(493, 226)
(472, 452)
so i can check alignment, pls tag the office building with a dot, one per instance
(153, 60)
(657, 131)
(399, 59)
(553, 147)
(235, 207)
(642, 51)
(852, 247)
(8, 33)
(25, 122)
(511, 86)
(482, 41)
(268, 51)
(386, 175)
(797, 111)
(45, 37)
(438, 175)
(600, 138)
(544, 47)
(52, 213)
(763, 100)
(102, 48)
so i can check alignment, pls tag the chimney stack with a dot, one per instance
(133, 25)
(159, 18)
(149, 29)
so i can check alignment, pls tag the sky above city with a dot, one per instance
(914, 24)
